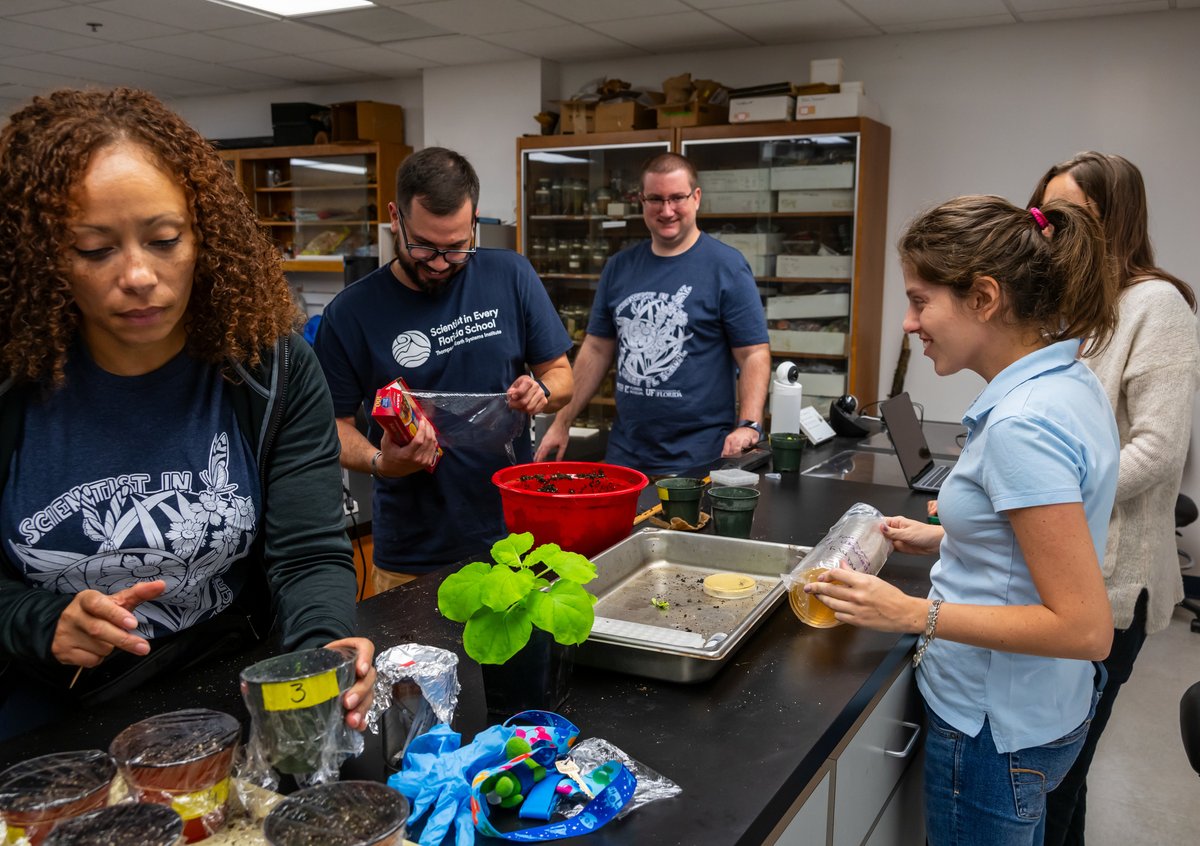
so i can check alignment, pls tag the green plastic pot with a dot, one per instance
(733, 510)
(680, 497)
(786, 449)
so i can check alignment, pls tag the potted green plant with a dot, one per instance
(523, 611)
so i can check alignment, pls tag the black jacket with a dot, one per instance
(305, 578)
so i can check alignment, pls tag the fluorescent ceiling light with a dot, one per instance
(330, 166)
(294, 8)
(557, 158)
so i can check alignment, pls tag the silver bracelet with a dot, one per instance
(375, 464)
(930, 628)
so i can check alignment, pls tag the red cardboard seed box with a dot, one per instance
(398, 413)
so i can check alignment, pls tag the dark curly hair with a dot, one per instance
(240, 302)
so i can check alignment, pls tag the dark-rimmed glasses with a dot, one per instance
(424, 254)
(656, 202)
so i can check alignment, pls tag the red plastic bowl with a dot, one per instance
(577, 518)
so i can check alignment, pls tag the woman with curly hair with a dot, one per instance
(169, 473)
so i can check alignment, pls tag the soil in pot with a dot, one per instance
(131, 824)
(39, 794)
(537, 677)
(344, 813)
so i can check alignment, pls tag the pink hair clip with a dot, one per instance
(1042, 222)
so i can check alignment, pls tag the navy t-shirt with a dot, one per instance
(476, 337)
(675, 319)
(124, 479)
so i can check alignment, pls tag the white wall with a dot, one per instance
(479, 111)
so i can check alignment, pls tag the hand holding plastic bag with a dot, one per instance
(437, 775)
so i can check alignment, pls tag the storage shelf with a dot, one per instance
(292, 189)
(329, 221)
(825, 356)
(603, 401)
(330, 265)
(783, 215)
(569, 276)
(562, 217)
(792, 280)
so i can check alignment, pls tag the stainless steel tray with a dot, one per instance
(693, 638)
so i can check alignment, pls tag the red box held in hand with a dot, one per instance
(398, 413)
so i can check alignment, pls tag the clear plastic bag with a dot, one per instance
(595, 752)
(481, 422)
(856, 542)
(416, 686)
(38, 794)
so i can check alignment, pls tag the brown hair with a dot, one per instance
(240, 302)
(669, 163)
(442, 178)
(1114, 184)
(1061, 285)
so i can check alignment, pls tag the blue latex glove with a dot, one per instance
(437, 773)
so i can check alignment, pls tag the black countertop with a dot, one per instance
(742, 745)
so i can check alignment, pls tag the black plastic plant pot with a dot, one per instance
(733, 510)
(680, 497)
(537, 677)
(130, 824)
(343, 813)
(182, 759)
(295, 704)
(786, 449)
(38, 795)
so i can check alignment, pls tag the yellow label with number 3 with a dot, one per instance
(300, 693)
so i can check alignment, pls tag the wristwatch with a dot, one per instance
(542, 385)
(751, 424)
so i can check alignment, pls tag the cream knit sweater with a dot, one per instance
(1150, 371)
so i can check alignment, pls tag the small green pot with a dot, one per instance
(733, 510)
(680, 497)
(786, 448)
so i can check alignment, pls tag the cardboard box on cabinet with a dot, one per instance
(815, 267)
(784, 307)
(367, 120)
(576, 117)
(735, 179)
(751, 109)
(815, 343)
(625, 114)
(821, 200)
(840, 105)
(812, 177)
(736, 202)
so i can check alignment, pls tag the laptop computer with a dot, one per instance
(904, 431)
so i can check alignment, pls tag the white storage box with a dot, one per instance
(793, 341)
(823, 384)
(749, 109)
(814, 267)
(828, 200)
(825, 70)
(737, 202)
(737, 179)
(810, 177)
(752, 243)
(809, 305)
(841, 105)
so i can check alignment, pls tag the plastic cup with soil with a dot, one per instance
(680, 497)
(733, 510)
(39, 794)
(295, 704)
(343, 813)
(181, 759)
(786, 449)
(129, 824)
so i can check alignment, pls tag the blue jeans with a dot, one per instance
(976, 796)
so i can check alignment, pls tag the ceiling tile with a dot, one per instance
(206, 48)
(888, 12)
(20, 7)
(298, 69)
(482, 17)
(378, 25)
(19, 93)
(16, 34)
(182, 14)
(690, 30)
(586, 11)
(1094, 11)
(227, 76)
(796, 20)
(564, 43)
(67, 66)
(7, 50)
(1005, 19)
(114, 27)
(300, 38)
(457, 50)
(373, 60)
(126, 56)
(37, 79)
(1086, 6)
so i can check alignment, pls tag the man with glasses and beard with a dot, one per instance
(448, 317)
(682, 315)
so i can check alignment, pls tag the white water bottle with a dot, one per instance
(785, 399)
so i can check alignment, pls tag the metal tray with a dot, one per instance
(693, 638)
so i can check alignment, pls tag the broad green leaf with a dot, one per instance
(565, 610)
(458, 596)
(572, 566)
(502, 587)
(542, 554)
(492, 637)
(510, 549)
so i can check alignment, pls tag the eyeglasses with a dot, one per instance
(656, 202)
(425, 254)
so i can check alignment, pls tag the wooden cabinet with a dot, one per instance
(804, 201)
(322, 202)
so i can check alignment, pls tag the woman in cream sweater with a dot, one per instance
(1150, 371)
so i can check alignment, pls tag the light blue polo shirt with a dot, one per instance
(1041, 433)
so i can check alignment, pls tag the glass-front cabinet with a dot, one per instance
(323, 202)
(579, 205)
(804, 201)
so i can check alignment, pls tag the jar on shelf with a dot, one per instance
(575, 258)
(537, 254)
(550, 261)
(579, 197)
(541, 198)
(559, 200)
(599, 255)
(603, 198)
